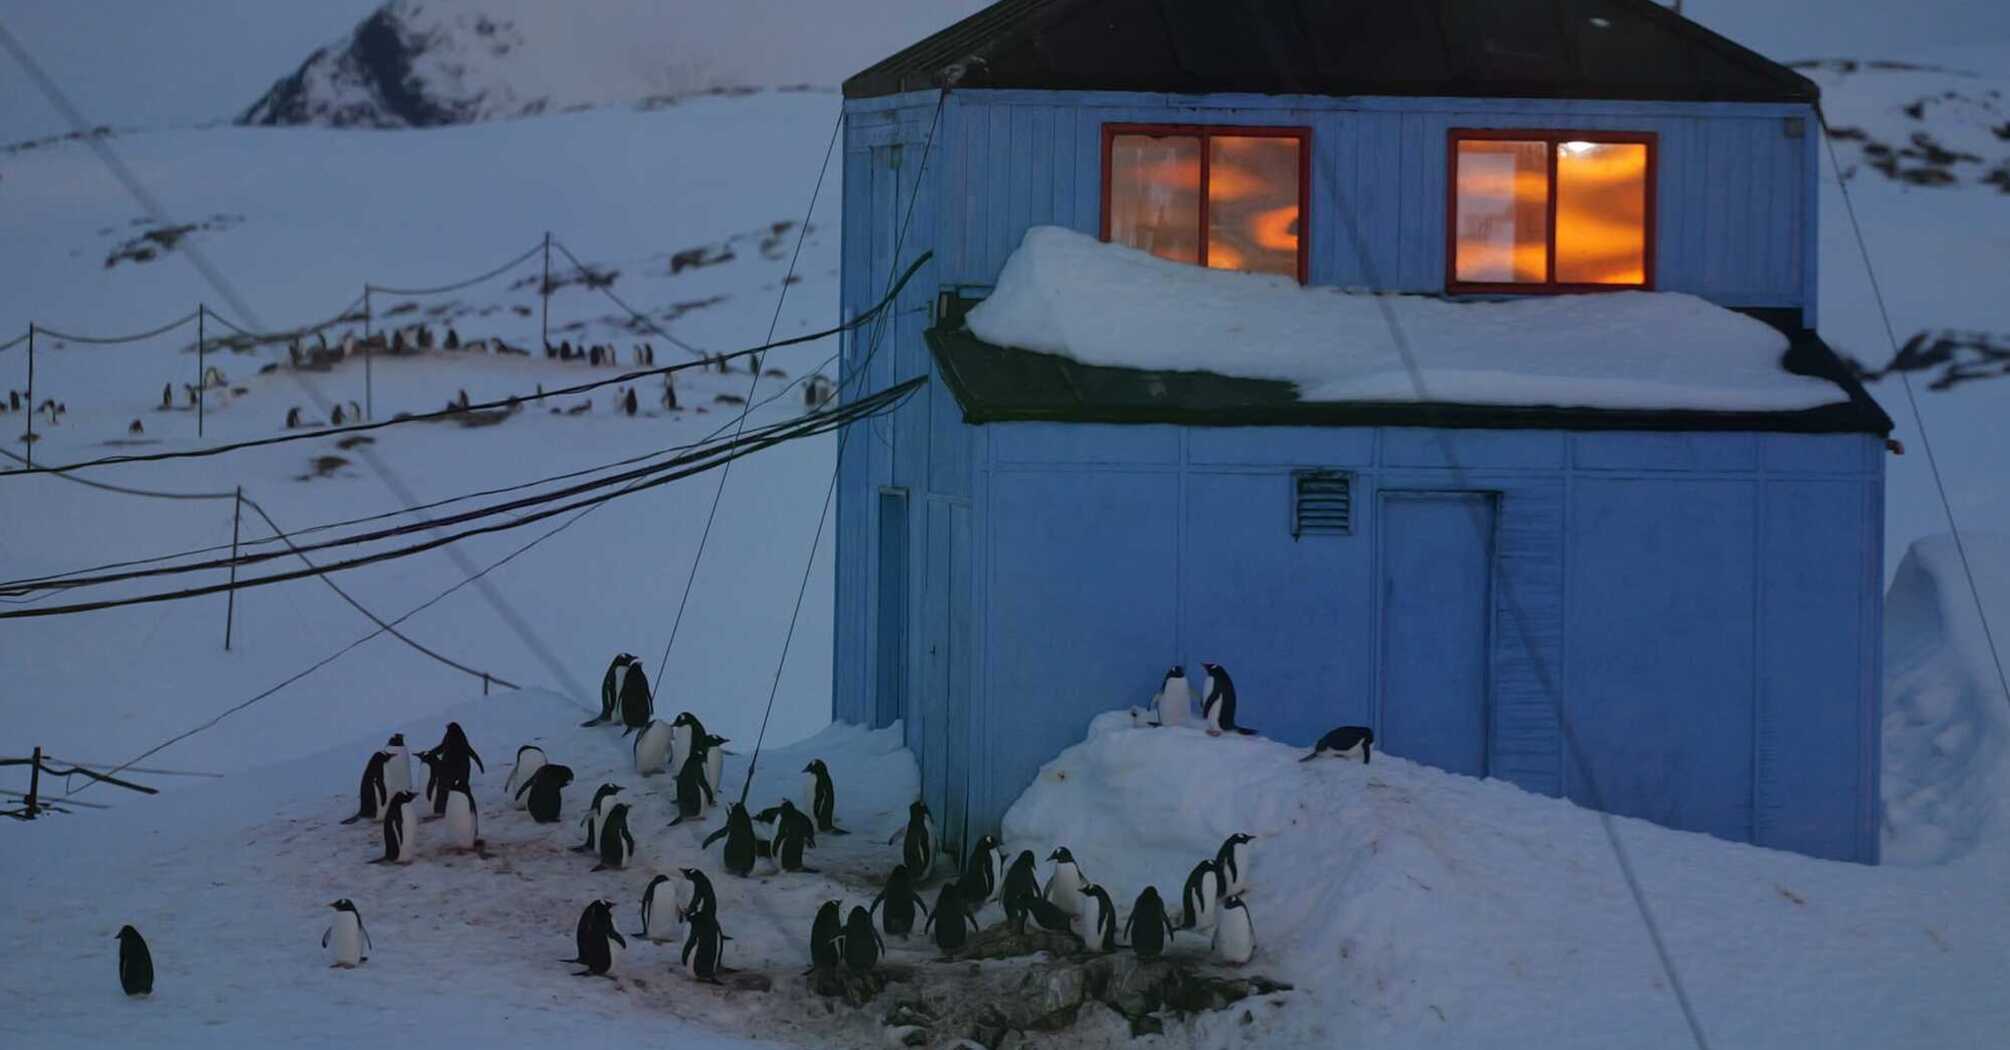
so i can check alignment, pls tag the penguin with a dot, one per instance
(136, 963)
(952, 924)
(1234, 936)
(1048, 915)
(827, 936)
(1217, 707)
(1064, 887)
(335, 416)
(600, 944)
(1342, 742)
(636, 705)
(715, 757)
(617, 846)
(529, 759)
(464, 828)
(1174, 701)
(705, 950)
(453, 755)
(436, 783)
(401, 830)
(1148, 928)
(453, 341)
(896, 903)
(1096, 923)
(1232, 862)
(862, 946)
(793, 833)
(741, 844)
(610, 689)
(1197, 900)
(583, 933)
(662, 911)
(980, 871)
(348, 935)
(1021, 880)
(694, 792)
(595, 812)
(820, 797)
(398, 769)
(652, 748)
(628, 403)
(699, 900)
(917, 849)
(541, 795)
(686, 732)
(167, 389)
(373, 791)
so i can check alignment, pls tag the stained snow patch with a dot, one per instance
(1066, 293)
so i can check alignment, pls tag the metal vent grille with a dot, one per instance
(1322, 503)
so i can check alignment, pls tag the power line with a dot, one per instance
(601, 287)
(1905, 378)
(470, 282)
(112, 340)
(124, 491)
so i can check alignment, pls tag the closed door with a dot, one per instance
(1437, 603)
(890, 688)
(945, 696)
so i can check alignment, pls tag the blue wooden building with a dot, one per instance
(1029, 541)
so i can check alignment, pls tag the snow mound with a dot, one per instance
(1946, 723)
(1067, 293)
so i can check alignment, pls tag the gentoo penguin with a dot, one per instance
(1148, 928)
(662, 912)
(464, 828)
(453, 756)
(1021, 881)
(741, 844)
(794, 833)
(436, 787)
(1049, 915)
(542, 793)
(136, 964)
(705, 949)
(980, 872)
(687, 731)
(595, 812)
(401, 830)
(398, 768)
(1343, 742)
(1096, 923)
(636, 705)
(616, 844)
(1197, 900)
(1064, 887)
(1217, 708)
(652, 748)
(374, 793)
(610, 689)
(1174, 702)
(826, 937)
(1234, 936)
(715, 757)
(862, 946)
(952, 924)
(917, 847)
(896, 903)
(600, 944)
(529, 759)
(1232, 861)
(700, 900)
(694, 792)
(347, 935)
(820, 797)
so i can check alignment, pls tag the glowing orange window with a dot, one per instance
(1229, 198)
(1550, 211)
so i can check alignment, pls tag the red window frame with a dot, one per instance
(1203, 132)
(1552, 137)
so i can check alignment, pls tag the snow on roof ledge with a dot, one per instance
(1066, 293)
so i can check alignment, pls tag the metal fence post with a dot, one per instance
(30, 440)
(544, 291)
(230, 606)
(369, 402)
(201, 376)
(34, 781)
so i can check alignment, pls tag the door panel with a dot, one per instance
(890, 688)
(1437, 599)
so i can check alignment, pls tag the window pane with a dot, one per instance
(1503, 212)
(1601, 212)
(1252, 204)
(1155, 195)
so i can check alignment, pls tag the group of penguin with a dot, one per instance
(1172, 705)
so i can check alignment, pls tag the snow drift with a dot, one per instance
(1066, 293)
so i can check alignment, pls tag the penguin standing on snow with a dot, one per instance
(1021, 881)
(820, 797)
(1174, 702)
(715, 757)
(542, 793)
(401, 830)
(980, 871)
(600, 944)
(917, 845)
(398, 768)
(610, 689)
(1234, 935)
(862, 946)
(794, 833)
(617, 846)
(529, 759)
(637, 705)
(1232, 862)
(741, 844)
(686, 732)
(436, 784)
(896, 903)
(952, 924)
(1064, 887)
(652, 748)
(826, 937)
(699, 900)
(694, 792)
(464, 829)
(595, 813)
(662, 911)
(1343, 742)
(1096, 923)
(374, 793)
(1197, 900)
(455, 755)
(136, 963)
(348, 936)
(1148, 928)
(1218, 706)
(705, 949)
